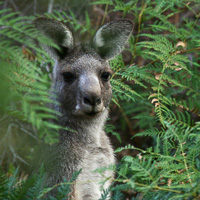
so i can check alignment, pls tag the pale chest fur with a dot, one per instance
(71, 156)
(89, 180)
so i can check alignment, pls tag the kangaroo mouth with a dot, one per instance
(90, 113)
(93, 113)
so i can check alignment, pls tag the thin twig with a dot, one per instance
(28, 7)
(50, 6)
(186, 51)
(127, 120)
(35, 7)
(14, 5)
(105, 14)
(183, 154)
(139, 29)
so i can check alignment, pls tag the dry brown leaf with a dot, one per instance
(178, 69)
(181, 43)
(154, 94)
(153, 100)
(157, 75)
(139, 156)
(169, 182)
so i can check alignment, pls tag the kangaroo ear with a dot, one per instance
(57, 33)
(111, 38)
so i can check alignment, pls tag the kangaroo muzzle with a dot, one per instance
(90, 100)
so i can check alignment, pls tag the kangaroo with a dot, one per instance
(81, 81)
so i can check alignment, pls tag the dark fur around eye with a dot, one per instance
(68, 77)
(106, 76)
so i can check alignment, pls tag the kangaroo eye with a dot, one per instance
(106, 76)
(68, 77)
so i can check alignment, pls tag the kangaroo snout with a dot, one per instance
(90, 101)
(92, 104)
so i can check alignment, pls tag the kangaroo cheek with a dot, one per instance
(107, 98)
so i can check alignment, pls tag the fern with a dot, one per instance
(25, 91)
(71, 19)
(110, 129)
(33, 187)
(157, 93)
(179, 169)
(105, 194)
(118, 195)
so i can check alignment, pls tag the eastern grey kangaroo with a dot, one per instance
(81, 81)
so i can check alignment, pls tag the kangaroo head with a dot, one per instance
(81, 73)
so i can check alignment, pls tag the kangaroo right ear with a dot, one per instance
(56, 32)
(111, 38)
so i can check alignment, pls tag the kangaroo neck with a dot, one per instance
(87, 131)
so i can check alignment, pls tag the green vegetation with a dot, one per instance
(156, 90)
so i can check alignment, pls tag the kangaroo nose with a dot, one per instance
(92, 101)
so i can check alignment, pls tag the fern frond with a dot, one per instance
(118, 86)
(105, 195)
(151, 132)
(124, 148)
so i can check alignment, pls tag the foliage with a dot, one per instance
(24, 89)
(170, 82)
(25, 84)
(157, 93)
(33, 187)
(170, 168)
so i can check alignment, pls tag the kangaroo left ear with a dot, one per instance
(111, 38)
(58, 33)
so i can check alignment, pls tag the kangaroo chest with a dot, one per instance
(89, 179)
(70, 156)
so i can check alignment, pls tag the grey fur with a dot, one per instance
(83, 103)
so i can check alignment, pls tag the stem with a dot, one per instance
(159, 93)
(160, 188)
(50, 6)
(139, 29)
(186, 51)
(184, 158)
(127, 120)
(197, 18)
(105, 14)
(35, 7)
(143, 185)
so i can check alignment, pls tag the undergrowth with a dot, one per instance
(162, 91)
